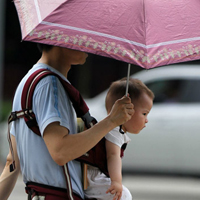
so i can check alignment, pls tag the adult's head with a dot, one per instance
(61, 58)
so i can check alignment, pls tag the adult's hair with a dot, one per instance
(44, 47)
(117, 91)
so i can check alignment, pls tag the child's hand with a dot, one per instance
(116, 190)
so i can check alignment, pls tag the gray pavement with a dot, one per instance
(145, 188)
(19, 191)
(163, 188)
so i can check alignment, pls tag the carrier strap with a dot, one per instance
(79, 104)
(26, 102)
(74, 95)
(49, 192)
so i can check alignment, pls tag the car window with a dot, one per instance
(175, 90)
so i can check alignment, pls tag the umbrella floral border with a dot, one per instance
(116, 49)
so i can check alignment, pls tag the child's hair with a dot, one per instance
(117, 91)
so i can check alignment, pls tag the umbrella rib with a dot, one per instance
(38, 10)
(145, 32)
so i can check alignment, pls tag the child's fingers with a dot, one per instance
(110, 189)
(117, 196)
(116, 193)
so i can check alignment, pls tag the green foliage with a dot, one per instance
(6, 107)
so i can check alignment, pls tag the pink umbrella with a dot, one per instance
(147, 33)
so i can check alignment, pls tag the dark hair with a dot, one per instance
(118, 88)
(44, 47)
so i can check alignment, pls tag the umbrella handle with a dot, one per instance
(128, 76)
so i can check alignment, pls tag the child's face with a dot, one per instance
(142, 108)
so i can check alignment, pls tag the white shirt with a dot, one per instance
(117, 138)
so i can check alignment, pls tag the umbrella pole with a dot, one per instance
(128, 76)
(127, 84)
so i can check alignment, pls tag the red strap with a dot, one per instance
(74, 95)
(27, 95)
(57, 193)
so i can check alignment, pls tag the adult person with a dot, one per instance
(41, 158)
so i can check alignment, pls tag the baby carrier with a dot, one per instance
(96, 156)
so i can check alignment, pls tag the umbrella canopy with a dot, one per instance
(147, 33)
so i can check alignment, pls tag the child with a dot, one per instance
(100, 186)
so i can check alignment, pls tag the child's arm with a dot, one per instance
(114, 168)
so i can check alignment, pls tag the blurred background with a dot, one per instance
(162, 162)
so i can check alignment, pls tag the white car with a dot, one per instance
(170, 143)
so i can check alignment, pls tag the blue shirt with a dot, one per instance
(50, 104)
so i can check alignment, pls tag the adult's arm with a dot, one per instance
(64, 147)
(8, 179)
